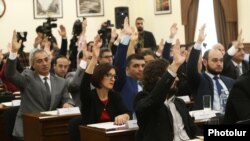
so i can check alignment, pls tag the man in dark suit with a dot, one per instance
(234, 63)
(238, 103)
(206, 83)
(146, 39)
(40, 90)
(160, 114)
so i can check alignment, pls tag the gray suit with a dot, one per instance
(74, 80)
(33, 93)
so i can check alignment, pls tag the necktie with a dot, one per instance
(48, 95)
(218, 85)
(237, 70)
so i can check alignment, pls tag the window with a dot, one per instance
(206, 15)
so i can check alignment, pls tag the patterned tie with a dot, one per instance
(48, 95)
(218, 85)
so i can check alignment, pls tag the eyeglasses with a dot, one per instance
(111, 76)
(106, 57)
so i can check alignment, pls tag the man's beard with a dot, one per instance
(212, 71)
(140, 29)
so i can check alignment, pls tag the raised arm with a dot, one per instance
(11, 73)
(64, 44)
(121, 55)
(193, 75)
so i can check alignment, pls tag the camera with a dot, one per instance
(22, 36)
(105, 32)
(48, 25)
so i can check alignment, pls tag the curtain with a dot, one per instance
(189, 11)
(226, 21)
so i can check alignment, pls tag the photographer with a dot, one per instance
(78, 40)
(105, 33)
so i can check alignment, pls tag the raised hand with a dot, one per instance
(161, 45)
(126, 27)
(202, 35)
(97, 46)
(62, 31)
(179, 56)
(134, 35)
(239, 40)
(15, 44)
(113, 33)
(84, 26)
(173, 30)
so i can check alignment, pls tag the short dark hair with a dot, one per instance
(99, 72)
(39, 29)
(148, 52)
(133, 57)
(104, 49)
(152, 72)
(205, 55)
(60, 56)
(139, 18)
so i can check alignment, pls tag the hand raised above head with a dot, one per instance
(15, 44)
(173, 30)
(62, 31)
(179, 56)
(97, 46)
(126, 27)
(202, 35)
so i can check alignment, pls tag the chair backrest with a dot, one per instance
(9, 117)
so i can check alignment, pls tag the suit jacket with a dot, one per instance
(74, 81)
(33, 92)
(238, 102)
(125, 85)
(149, 40)
(154, 119)
(201, 84)
(229, 68)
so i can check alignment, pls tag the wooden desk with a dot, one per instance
(39, 127)
(3, 135)
(95, 134)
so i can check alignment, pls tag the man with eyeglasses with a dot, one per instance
(105, 56)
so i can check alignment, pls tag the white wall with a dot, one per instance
(243, 19)
(19, 16)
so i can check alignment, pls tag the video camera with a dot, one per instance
(48, 25)
(105, 32)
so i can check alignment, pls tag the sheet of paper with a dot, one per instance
(201, 114)
(8, 104)
(106, 126)
(53, 113)
(68, 111)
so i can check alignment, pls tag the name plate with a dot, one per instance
(68, 111)
(131, 124)
(16, 102)
(201, 114)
